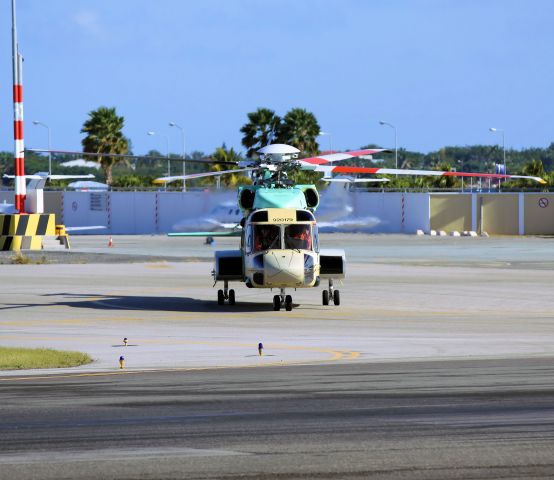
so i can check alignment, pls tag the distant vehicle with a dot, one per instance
(87, 185)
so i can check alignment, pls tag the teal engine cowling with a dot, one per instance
(254, 197)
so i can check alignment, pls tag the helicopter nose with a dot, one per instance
(283, 268)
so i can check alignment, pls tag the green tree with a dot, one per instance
(534, 168)
(300, 129)
(439, 181)
(303, 177)
(131, 181)
(105, 136)
(222, 154)
(263, 126)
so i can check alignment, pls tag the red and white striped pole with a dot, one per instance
(19, 148)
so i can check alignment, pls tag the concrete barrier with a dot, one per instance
(538, 214)
(25, 231)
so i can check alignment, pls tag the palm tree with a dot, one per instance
(300, 129)
(223, 154)
(104, 135)
(534, 168)
(263, 127)
(439, 181)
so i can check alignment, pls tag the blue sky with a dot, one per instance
(442, 71)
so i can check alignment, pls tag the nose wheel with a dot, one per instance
(226, 294)
(330, 295)
(280, 300)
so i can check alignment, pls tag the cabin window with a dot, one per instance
(298, 237)
(248, 239)
(304, 216)
(259, 216)
(316, 238)
(267, 237)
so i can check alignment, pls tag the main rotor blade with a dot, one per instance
(162, 180)
(398, 171)
(355, 180)
(68, 177)
(233, 233)
(51, 177)
(125, 155)
(337, 157)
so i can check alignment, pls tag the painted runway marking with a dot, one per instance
(335, 355)
(166, 341)
(166, 370)
(111, 454)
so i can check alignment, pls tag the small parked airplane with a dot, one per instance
(334, 214)
(34, 202)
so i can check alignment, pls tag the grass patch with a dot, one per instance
(29, 358)
(20, 259)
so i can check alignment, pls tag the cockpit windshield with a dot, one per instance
(267, 237)
(298, 237)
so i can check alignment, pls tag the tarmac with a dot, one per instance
(404, 298)
(485, 419)
(437, 364)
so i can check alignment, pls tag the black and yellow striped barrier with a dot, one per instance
(21, 242)
(28, 225)
(26, 232)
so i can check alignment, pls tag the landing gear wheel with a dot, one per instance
(325, 297)
(336, 297)
(276, 303)
(231, 297)
(288, 303)
(220, 297)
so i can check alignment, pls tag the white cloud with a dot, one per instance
(88, 21)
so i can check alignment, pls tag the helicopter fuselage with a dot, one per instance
(280, 249)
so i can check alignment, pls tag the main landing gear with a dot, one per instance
(282, 299)
(226, 294)
(331, 294)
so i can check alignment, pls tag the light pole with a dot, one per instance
(326, 134)
(36, 122)
(381, 122)
(173, 124)
(495, 130)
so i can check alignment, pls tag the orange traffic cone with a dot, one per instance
(110, 242)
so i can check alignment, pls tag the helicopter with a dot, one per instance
(279, 246)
